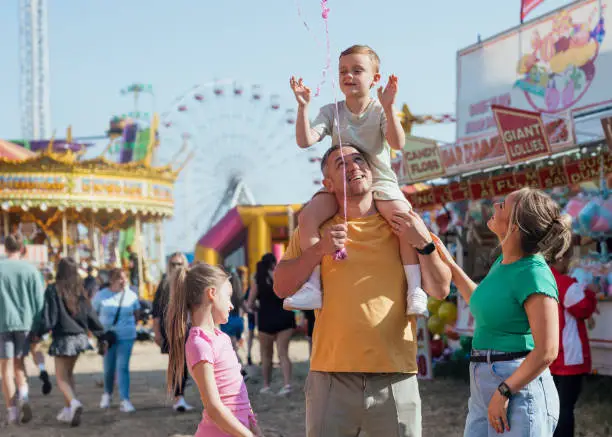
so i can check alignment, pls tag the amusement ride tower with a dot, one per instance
(34, 70)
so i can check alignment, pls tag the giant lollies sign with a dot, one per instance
(522, 133)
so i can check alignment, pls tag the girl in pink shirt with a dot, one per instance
(204, 292)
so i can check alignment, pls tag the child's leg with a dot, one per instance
(321, 208)
(417, 299)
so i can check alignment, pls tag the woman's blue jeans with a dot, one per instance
(117, 361)
(532, 412)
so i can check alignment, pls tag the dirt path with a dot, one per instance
(444, 404)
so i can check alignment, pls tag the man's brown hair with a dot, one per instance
(364, 50)
(13, 243)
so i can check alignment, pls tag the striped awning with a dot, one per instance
(14, 152)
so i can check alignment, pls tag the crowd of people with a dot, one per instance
(364, 261)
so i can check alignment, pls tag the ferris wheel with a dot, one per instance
(239, 144)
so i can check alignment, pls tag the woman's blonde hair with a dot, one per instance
(175, 255)
(187, 292)
(543, 229)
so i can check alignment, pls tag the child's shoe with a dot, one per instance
(416, 298)
(309, 296)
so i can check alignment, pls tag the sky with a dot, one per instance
(97, 47)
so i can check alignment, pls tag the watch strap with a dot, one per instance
(428, 249)
(504, 390)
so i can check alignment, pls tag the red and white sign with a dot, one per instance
(423, 350)
(465, 320)
(522, 134)
(527, 6)
(558, 65)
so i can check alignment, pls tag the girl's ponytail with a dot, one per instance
(186, 293)
(176, 328)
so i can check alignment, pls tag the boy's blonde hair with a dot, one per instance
(363, 50)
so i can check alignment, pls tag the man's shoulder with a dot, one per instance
(18, 266)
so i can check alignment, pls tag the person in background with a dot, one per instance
(117, 307)
(309, 315)
(133, 266)
(234, 327)
(37, 354)
(91, 282)
(251, 319)
(68, 314)
(161, 301)
(275, 324)
(577, 303)
(21, 303)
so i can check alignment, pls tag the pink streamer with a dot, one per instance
(340, 254)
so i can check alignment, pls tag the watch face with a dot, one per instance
(504, 390)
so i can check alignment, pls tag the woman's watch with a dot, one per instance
(504, 390)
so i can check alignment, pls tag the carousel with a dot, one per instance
(53, 195)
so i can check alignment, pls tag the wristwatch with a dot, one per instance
(504, 390)
(428, 249)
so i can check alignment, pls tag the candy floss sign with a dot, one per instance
(421, 159)
(559, 65)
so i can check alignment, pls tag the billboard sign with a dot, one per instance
(558, 65)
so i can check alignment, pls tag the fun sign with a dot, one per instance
(522, 133)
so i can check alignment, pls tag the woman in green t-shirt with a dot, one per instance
(516, 334)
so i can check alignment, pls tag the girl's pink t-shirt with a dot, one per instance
(217, 350)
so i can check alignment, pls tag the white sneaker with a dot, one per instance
(417, 302)
(12, 416)
(25, 410)
(309, 296)
(64, 415)
(126, 406)
(76, 409)
(265, 390)
(105, 401)
(181, 406)
(284, 391)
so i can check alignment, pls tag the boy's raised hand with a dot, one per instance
(387, 96)
(301, 91)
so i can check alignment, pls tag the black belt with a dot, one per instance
(498, 357)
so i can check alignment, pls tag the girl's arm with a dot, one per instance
(462, 281)
(252, 297)
(543, 314)
(204, 376)
(93, 322)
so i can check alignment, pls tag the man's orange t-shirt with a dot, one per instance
(362, 326)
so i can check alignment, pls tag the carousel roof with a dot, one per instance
(44, 186)
(10, 151)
